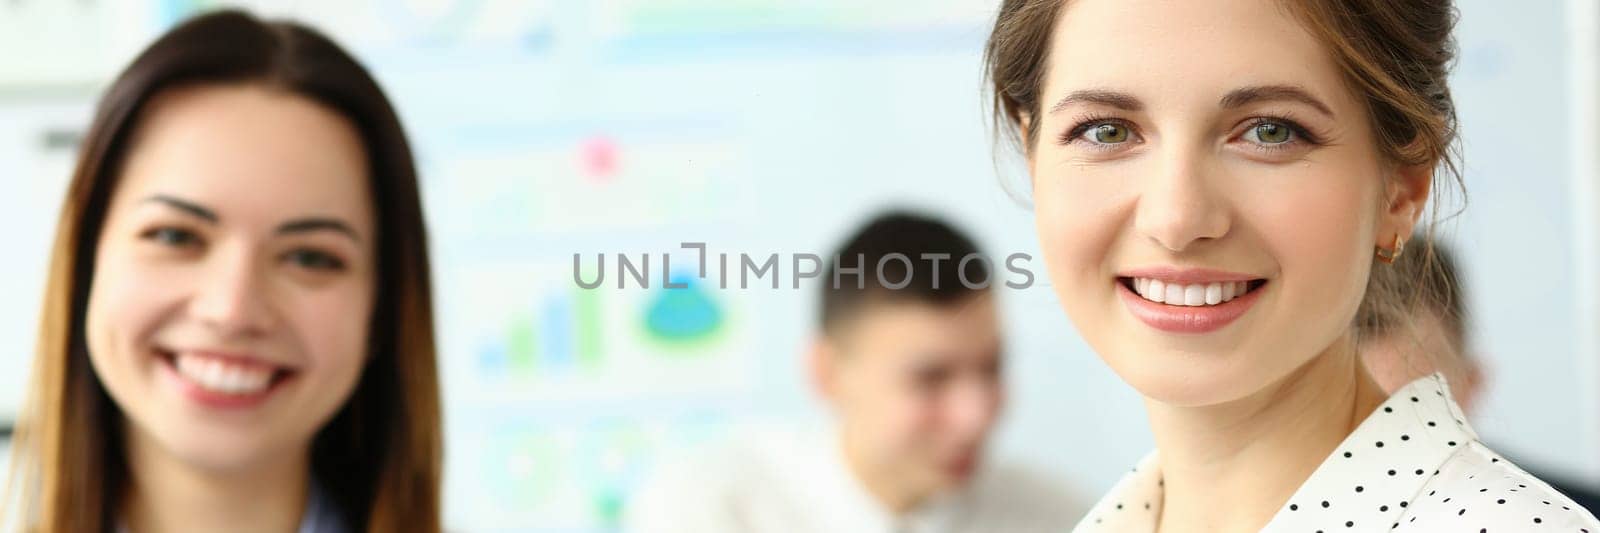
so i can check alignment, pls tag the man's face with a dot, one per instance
(917, 388)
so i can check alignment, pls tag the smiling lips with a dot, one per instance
(219, 380)
(1188, 301)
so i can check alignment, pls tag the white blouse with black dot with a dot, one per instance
(1413, 465)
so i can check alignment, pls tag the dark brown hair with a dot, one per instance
(379, 457)
(909, 235)
(1395, 55)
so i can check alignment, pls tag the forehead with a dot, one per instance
(904, 328)
(1166, 50)
(247, 149)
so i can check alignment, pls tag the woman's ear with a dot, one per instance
(1405, 198)
(1024, 120)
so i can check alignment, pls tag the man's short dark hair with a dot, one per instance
(900, 256)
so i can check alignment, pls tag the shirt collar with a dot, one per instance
(945, 511)
(1420, 424)
(941, 512)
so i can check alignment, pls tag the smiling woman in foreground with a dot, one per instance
(237, 330)
(1215, 183)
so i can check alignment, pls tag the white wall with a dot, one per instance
(1518, 238)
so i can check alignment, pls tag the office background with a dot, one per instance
(547, 128)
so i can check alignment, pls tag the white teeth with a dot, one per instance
(1200, 294)
(221, 376)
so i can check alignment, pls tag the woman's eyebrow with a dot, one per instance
(1235, 98)
(300, 225)
(304, 225)
(184, 205)
(1267, 93)
(1119, 100)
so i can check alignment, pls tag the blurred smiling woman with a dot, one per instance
(1214, 183)
(237, 332)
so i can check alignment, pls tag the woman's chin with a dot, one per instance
(209, 448)
(1190, 379)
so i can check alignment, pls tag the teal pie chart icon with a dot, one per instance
(683, 314)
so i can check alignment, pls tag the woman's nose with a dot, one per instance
(231, 299)
(1178, 205)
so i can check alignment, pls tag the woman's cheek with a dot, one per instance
(1079, 212)
(127, 297)
(1307, 221)
(334, 324)
(1055, 239)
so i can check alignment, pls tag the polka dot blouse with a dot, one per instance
(1413, 465)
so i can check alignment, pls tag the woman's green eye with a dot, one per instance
(1109, 134)
(315, 260)
(1272, 133)
(171, 237)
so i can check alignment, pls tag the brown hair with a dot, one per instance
(379, 457)
(1436, 284)
(1395, 54)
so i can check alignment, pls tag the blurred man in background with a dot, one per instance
(908, 359)
(1429, 334)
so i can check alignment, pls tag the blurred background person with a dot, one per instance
(237, 331)
(908, 359)
(1428, 333)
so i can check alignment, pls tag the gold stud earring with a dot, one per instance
(1387, 256)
